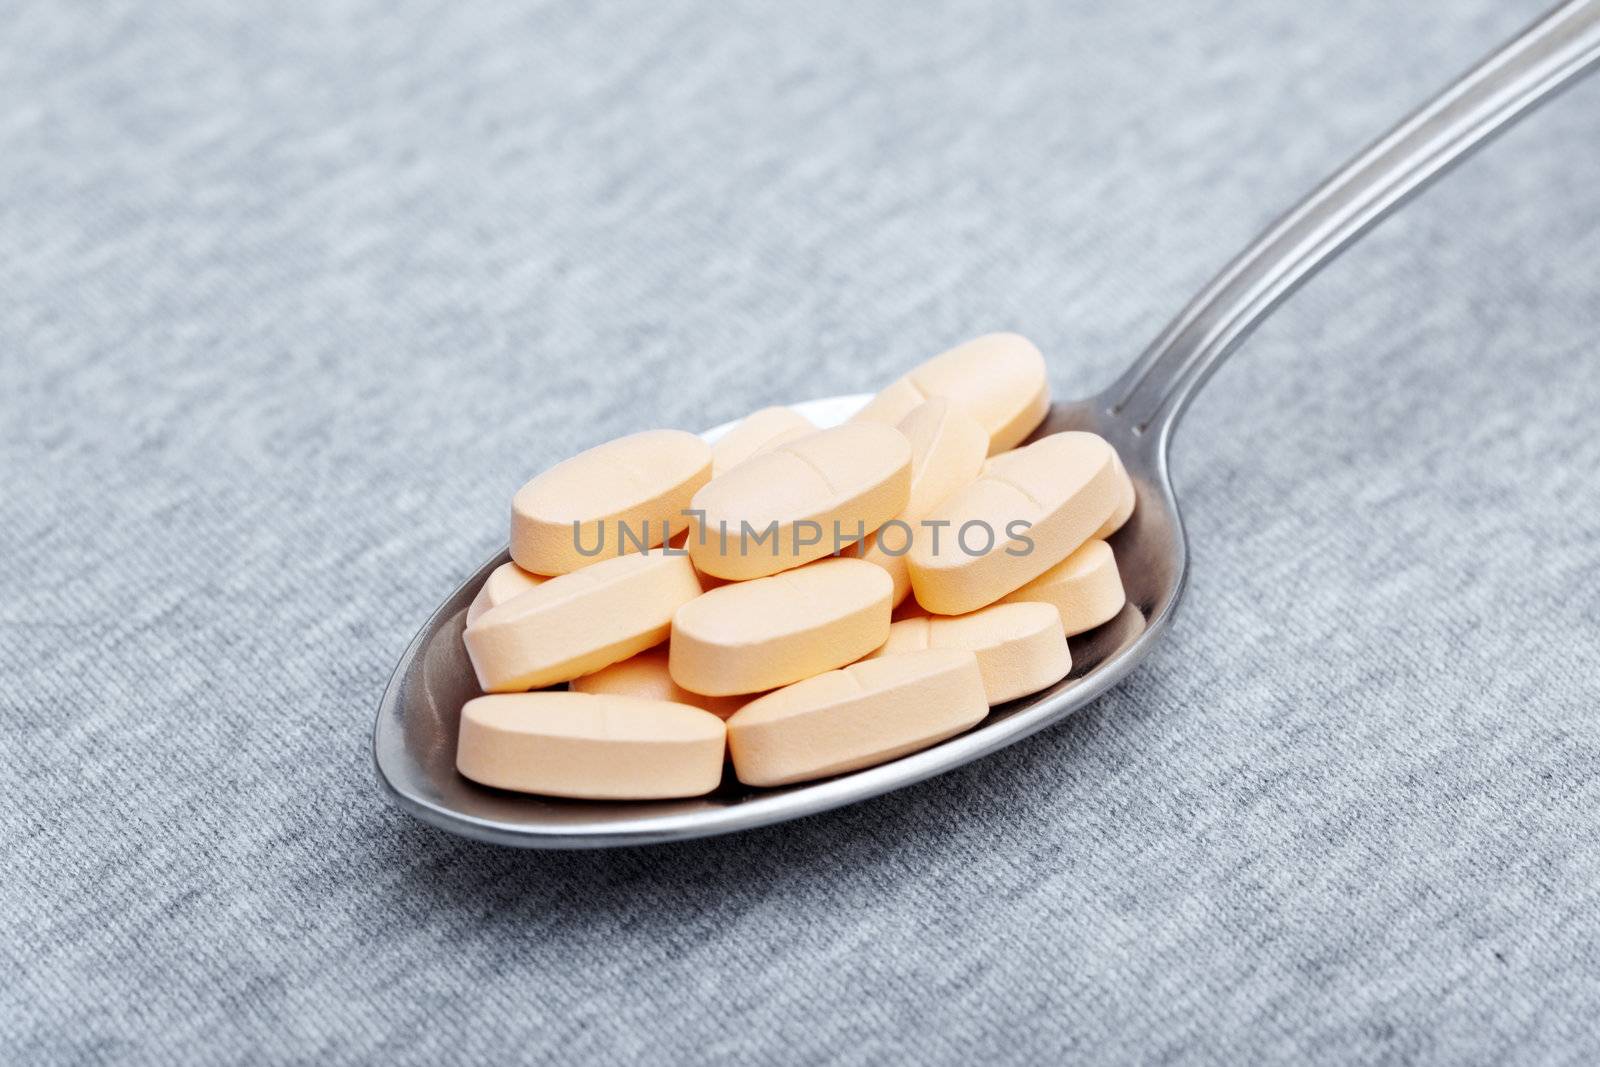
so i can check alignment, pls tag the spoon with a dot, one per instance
(414, 740)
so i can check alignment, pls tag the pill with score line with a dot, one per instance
(759, 431)
(577, 623)
(862, 715)
(623, 496)
(947, 451)
(783, 508)
(1000, 379)
(1085, 588)
(1020, 648)
(1028, 511)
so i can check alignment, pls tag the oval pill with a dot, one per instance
(646, 676)
(1126, 500)
(757, 432)
(800, 501)
(590, 746)
(947, 451)
(622, 496)
(758, 635)
(868, 713)
(504, 582)
(1085, 588)
(1020, 647)
(577, 623)
(1063, 487)
(1000, 378)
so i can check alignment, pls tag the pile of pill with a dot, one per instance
(802, 601)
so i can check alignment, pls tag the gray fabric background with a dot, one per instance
(292, 297)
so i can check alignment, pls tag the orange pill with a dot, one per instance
(999, 378)
(590, 746)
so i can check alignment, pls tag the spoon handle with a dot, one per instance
(1546, 57)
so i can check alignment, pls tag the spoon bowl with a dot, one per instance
(414, 741)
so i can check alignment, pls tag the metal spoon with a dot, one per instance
(415, 737)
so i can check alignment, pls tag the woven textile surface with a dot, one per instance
(294, 296)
